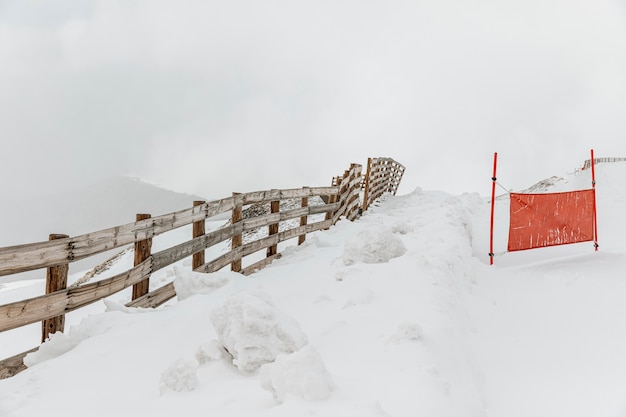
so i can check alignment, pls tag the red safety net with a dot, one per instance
(539, 220)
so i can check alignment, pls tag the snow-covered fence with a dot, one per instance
(340, 200)
(587, 163)
(383, 176)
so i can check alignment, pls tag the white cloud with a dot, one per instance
(241, 95)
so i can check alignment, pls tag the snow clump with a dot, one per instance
(188, 283)
(372, 246)
(253, 331)
(180, 376)
(208, 352)
(301, 374)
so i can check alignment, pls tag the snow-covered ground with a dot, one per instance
(396, 314)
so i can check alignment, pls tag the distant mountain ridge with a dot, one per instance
(105, 203)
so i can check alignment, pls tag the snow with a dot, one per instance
(253, 331)
(432, 330)
(301, 374)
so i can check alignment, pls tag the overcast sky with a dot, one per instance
(213, 97)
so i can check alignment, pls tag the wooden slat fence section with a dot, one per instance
(341, 200)
(587, 163)
(383, 176)
(349, 189)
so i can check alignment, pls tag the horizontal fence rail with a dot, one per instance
(340, 200)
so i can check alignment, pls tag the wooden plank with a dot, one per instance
(257, 266)
(198, 230)
(181, 251)
(269, 195)
(142, 252)
(20, 258)
(27, 257)
(273, 228)
(15, 364)
(366, 184)
(155, 298)
(32, 310)
(222, 260)
(261, 221)
(56, 280)
(323, 209)
(304, 203)
(237, 240)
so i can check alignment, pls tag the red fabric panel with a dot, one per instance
(539, 220)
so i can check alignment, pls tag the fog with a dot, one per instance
(212, 97)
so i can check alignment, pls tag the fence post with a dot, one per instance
(142, 252)
(366, 190)
(273, 228)
(303, 219)
(197, 259)
(355, 188)
(236, 240)
(335, 198)
(56, 280)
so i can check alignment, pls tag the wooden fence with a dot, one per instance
(587, 163)
(383, 175)
(340, 200)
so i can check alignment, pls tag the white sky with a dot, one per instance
(212, 97)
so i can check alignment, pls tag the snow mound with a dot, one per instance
(60, 343)
(301, 374)
(253, 331)
(180, 376)
(208, 352)
(373, 246)
(188, 283)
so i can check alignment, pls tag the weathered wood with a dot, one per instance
(197, 231)
(142, 252)
(32, 310)
(323, 209)
(27, 257)
(183, 250)
(252, 247)
(270, 195)
(155, 298)
(366, 184)
(20, 258)
(15, 364)
(256, 222)
(273, 228)
(222, 260)
(237, 240)
(303, 220)
(257, 266)
(56, 280)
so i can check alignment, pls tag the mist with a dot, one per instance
(214, 97)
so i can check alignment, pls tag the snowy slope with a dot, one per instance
(410, 321)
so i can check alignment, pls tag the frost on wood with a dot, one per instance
(301, 374)
(188, 283)
(372, 246)
(180, 376)
(253, 331)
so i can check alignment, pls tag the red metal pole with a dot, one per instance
(593, 186)
(493, 202)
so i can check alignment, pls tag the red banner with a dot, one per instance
(539, 220)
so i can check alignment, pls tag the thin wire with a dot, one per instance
(501, 186)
